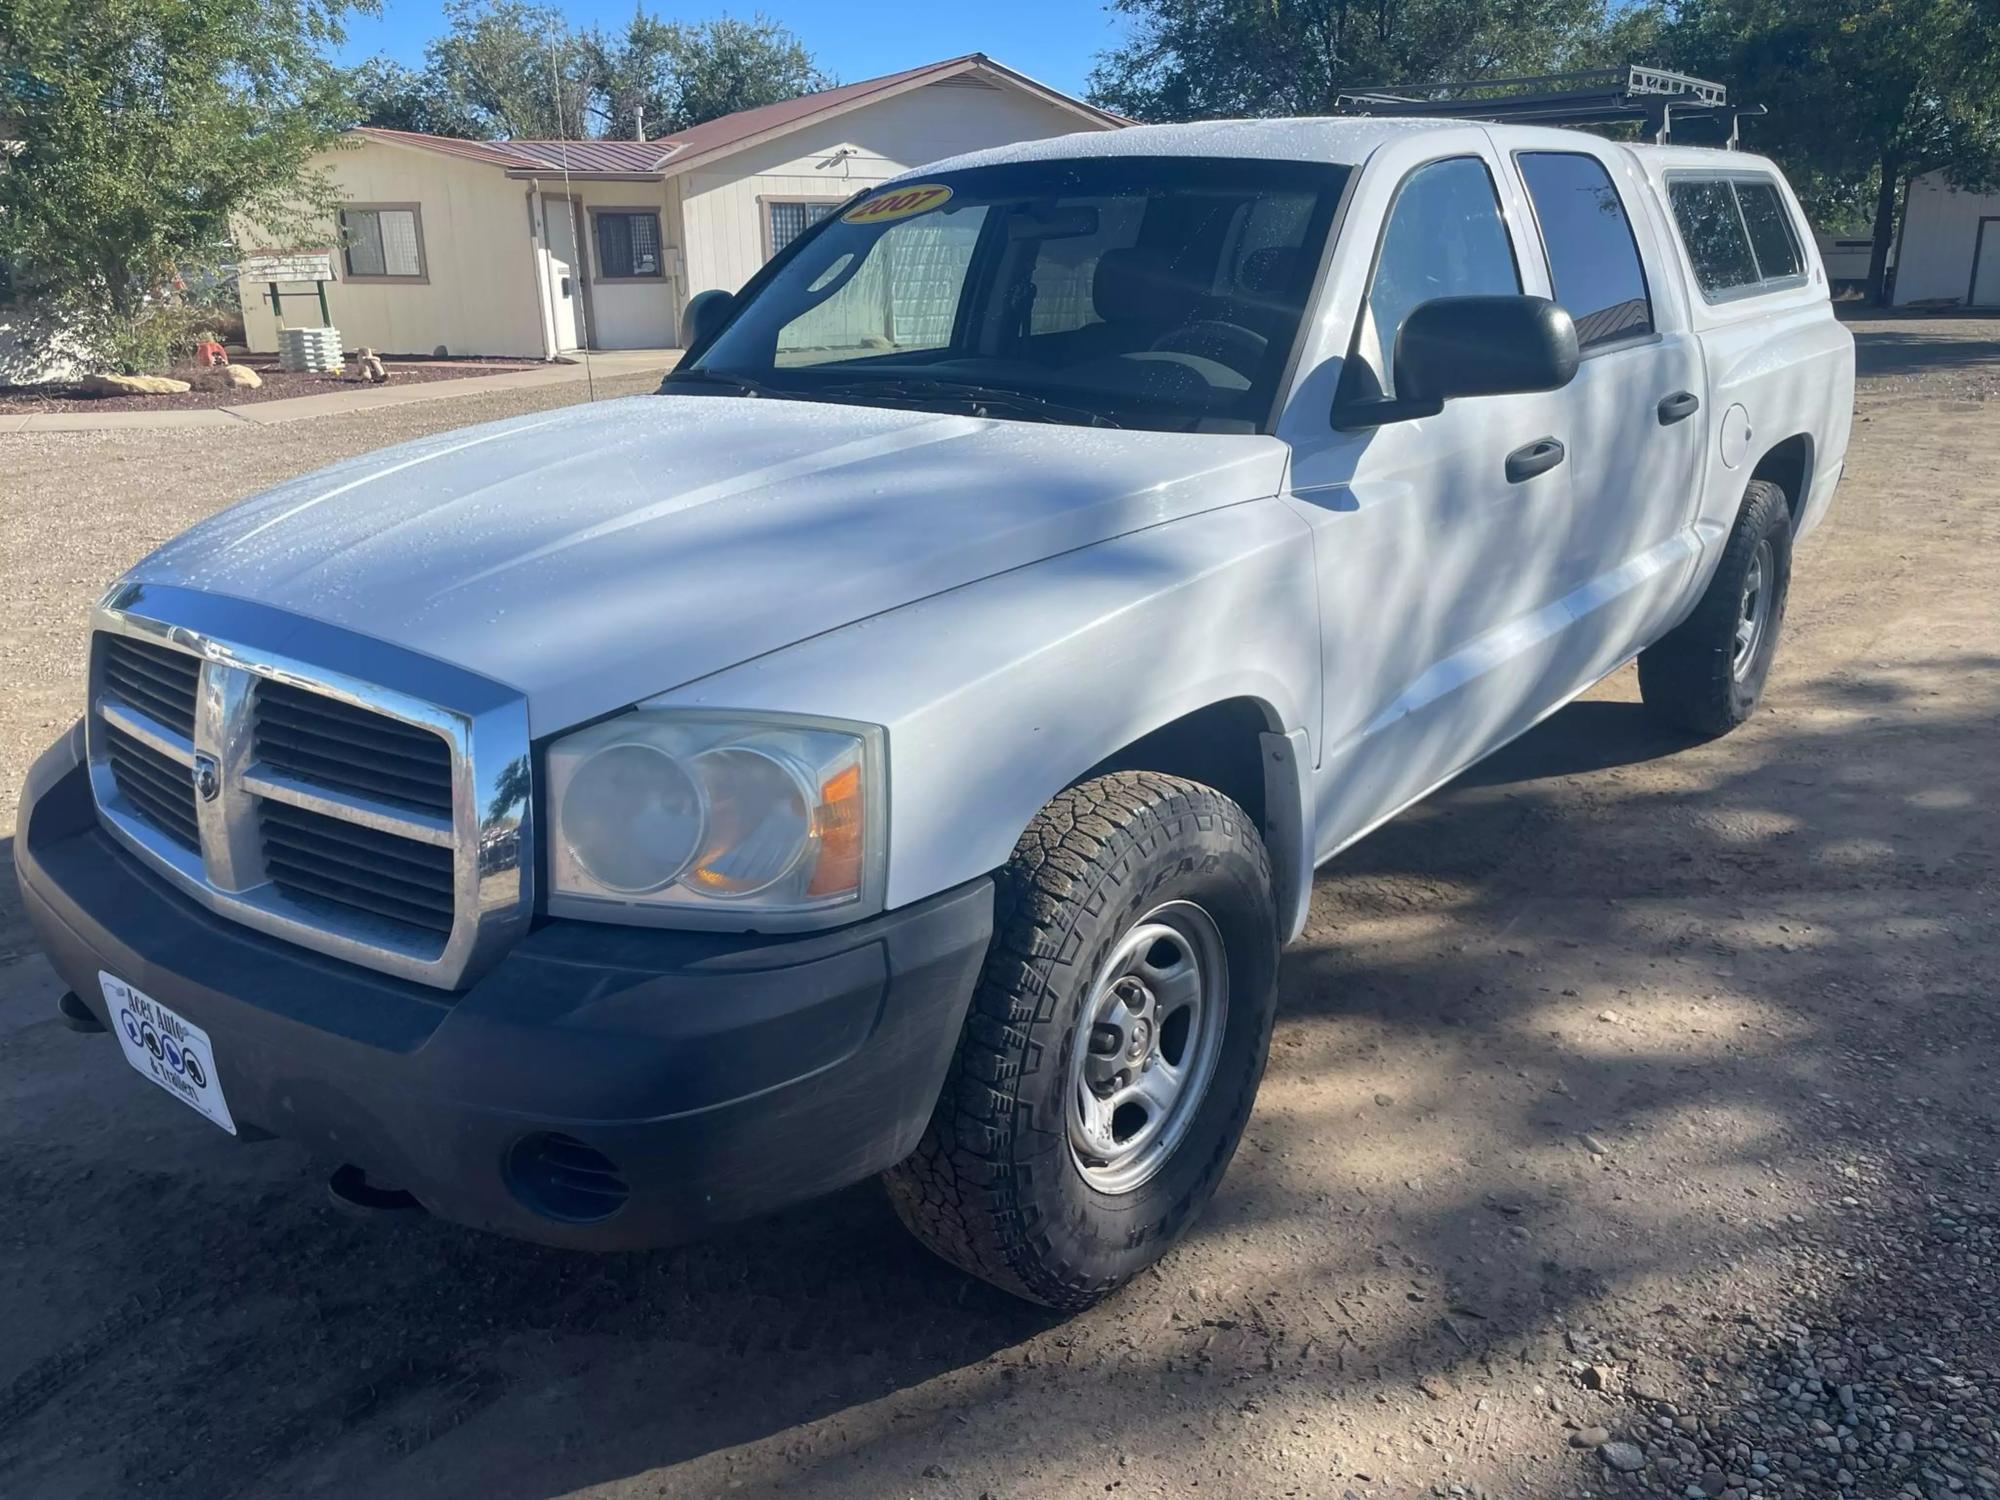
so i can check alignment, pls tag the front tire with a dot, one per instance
(1115, 1043)
(1707, 674)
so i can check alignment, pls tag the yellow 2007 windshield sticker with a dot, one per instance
(898, 204)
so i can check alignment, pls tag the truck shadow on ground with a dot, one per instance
(254, 1341)
(1888, 351)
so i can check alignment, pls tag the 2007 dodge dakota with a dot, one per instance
(903, 744)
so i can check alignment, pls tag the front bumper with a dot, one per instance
(722, 1075)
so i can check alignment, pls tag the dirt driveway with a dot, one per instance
(1633, 1107)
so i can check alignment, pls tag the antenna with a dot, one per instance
(575, 232)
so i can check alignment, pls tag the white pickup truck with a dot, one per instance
(903, 744)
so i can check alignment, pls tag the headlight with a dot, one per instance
(716, 820)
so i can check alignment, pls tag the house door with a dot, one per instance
(564, 271)
(1986, 265)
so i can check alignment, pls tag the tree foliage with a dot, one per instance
(146, 128)
(683, 74)
(1206, 59)
(508, 68)
(514, 68)
(1863, 95)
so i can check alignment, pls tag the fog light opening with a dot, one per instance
(560, 1178)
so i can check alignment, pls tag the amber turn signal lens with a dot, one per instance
(837, 821)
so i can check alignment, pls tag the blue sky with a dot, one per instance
(1053, 40)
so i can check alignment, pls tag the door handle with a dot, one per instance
(1538, 457)
(1678, 407)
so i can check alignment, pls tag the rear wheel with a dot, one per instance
(1707, 675)
(1114, 1046)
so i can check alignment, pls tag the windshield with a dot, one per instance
(1160, 293)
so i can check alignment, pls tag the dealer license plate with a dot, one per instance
(167, 1048)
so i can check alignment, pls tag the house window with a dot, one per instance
(382, 242)
(628, 244)
(786, 221)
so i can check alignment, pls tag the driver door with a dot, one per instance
(1439, 562)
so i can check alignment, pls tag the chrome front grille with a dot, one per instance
(314, 858)
(371, 804)
(321, 739)
(153, 680)
(159, 786)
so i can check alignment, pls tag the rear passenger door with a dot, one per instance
(1636, 405)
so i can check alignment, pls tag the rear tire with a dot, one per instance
(1032, 1175)
(1707, 675)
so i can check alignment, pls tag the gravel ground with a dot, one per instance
(279, 385)
(77, 508)
(1630, 1129)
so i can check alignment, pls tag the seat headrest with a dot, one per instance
(1136, 285)
(1271, 272)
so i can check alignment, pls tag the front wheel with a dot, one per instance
(1114, 1045)
(1707, 674)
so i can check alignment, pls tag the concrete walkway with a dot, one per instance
(604, 365)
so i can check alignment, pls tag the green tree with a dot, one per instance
(1205, 59)
(147, 128)
(684, 74)
(388, 94)
(1863, 95)
(511, 69)
(508, 68)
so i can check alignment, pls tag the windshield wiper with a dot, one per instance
(742, 385)
(978, 397)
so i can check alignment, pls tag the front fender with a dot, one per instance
(998, 694)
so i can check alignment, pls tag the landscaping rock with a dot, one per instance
(131, 385)
(226, 377)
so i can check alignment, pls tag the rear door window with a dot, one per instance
(1738, 232)
(1593, 259)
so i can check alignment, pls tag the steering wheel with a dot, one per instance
(1241, 349)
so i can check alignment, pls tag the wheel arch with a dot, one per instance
(1242, 748)
(1788, 465)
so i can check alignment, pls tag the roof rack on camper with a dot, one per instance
(1660, 101)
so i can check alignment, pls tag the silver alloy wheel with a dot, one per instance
(1753, 617)
(1145, 1046)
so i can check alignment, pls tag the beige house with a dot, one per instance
(533, 248)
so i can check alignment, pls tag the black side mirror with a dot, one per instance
(1471, 346)
(704, 316)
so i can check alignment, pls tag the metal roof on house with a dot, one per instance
(582, 157)
(494, 153)
(715, 138)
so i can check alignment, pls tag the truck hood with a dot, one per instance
(601, 554)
